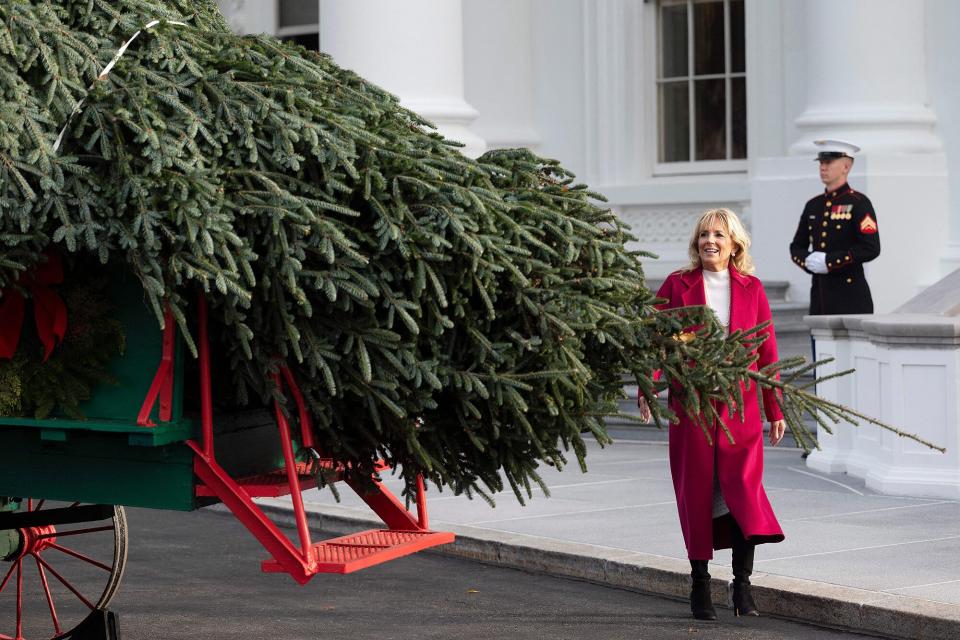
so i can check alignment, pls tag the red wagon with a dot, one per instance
(64, 482)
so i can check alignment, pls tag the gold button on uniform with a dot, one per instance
(849, 280)
(823, 234)
(823, 245)
(829, 203)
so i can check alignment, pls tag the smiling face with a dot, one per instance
(714, 245)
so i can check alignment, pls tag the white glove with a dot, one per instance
(816, 262)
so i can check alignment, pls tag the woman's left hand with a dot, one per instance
(777, 429)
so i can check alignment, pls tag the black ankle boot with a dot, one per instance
(700, 603)
(743, 604)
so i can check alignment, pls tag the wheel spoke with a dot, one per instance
(20, 598)
(75, 532)
(103, 524)
(80, 556)
(63, 581)
(6, 578)
(46, 591)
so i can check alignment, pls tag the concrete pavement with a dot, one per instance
(852, 558)
(183, 586)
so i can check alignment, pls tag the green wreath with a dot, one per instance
(36, 388)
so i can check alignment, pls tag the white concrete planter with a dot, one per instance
(907, 367)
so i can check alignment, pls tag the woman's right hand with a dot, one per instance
(645, 414)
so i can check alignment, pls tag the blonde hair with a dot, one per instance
(738, 234)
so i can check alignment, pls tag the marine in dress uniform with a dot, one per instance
(837, 233)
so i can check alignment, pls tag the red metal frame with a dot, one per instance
(206, 396)
(269, 485)
(405, 533)
(293, 479)
(162, 385)
(306, 424)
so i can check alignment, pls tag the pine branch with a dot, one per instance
(497, 299)
(797, 401)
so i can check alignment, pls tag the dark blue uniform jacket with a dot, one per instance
(842, 224)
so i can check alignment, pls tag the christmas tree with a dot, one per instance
(469, 320)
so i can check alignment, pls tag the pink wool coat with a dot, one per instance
(739, 465)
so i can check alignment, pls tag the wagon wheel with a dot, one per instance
(63, 561)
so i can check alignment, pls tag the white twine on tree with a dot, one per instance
(106, 71)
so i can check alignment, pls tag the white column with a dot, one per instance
(500, 73)
(413, 49)
(866, 76)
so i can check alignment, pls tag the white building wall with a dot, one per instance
(790, 30)
(769, 74)
(249, 16)
(574, 79)
(595, 108)
(779, 185)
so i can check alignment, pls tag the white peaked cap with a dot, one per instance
(835, 149)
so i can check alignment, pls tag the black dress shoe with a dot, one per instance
(743, 604)
(700, 603)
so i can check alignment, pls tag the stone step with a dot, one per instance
(776, 291)
(793, 335)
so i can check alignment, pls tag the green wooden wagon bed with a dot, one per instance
(64, 482)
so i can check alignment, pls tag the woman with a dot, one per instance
(720, 496)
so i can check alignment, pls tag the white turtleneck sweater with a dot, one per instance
(716, 286)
